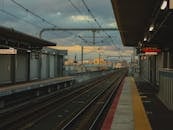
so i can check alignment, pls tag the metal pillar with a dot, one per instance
(168, 60)
(99, 58)
(13, 68)
(78, 29)
(94, 36)
(82, 54)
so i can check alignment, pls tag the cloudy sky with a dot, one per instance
(30, 16)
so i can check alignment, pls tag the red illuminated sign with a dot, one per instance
(149, 49)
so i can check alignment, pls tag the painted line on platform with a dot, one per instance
(110, 116)
(141, 121)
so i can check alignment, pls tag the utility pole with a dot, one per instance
(94, 36)
(75, 59)
(82, 47)
(99, 58)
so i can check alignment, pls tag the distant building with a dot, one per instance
(120, 64)
(100, 61)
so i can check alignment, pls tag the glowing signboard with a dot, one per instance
(149, 49)
(150, 53)
(8, 51)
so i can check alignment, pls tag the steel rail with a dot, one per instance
(95, 123)
(43, 106)
(106, 91)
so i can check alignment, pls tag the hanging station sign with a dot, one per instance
(150, 51)
(8, 51)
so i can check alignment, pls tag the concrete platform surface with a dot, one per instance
(127, 111)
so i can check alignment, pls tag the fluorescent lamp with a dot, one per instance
(11, 48)
(151, 28)
(145, 39)
(29, 51)
(164, 5)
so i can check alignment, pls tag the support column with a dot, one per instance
(40, 65)
(165, 59)
(82, 54)
(94, 35)
(168, 59)
(171, 59)
(13, 68)
(29, 66)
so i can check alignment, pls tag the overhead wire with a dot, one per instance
(52, 24)
(44, 20)
(34, 14)
(81, 13)
(75, 7)
(90, 12)
(13, 15)
(17, 17)
(78, 10)
(96, 21)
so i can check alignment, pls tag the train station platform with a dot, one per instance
(159, 115)
(127, 111)
(137, 107)
(19, 87)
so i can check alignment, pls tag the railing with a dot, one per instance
(166, 87)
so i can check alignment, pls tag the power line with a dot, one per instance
(46, 21)
(12, 15)
(90, 12)
(92, 15)
(43, 19)
(34, 14)
(75, 7)
(78, 10)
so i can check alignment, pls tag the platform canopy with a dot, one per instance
(149, 22)
(12, 38)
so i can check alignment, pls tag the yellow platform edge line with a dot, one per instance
(141, 121)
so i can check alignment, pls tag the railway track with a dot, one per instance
(91, 116)
(63, 108)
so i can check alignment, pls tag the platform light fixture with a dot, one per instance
(140, 44)
(151, 28)
(145, 39)
(29, 51)
(164, 5)
(11, 48)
